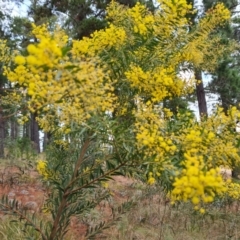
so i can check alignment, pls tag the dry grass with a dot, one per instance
(154, 218)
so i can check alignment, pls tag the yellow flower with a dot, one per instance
(202, 210)
(32, 49)
(105, 184)
(151, 180)
(41, 168)
(20, 60)
(32, 60)
(195, 200)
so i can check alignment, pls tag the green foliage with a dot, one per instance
(226, 82)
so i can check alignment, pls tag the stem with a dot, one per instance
(81, 157)
(78, 163)
(8, 116)
(119, 155)
(57, 219)
(63, 204)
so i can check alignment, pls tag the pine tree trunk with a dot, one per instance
(14, 129)
(46, 139)
(34, 133)
(2, 136)
(201, 96)
(26, 130)
(225, 104)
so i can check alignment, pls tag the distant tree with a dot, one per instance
(226, 78)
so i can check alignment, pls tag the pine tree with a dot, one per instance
(226, 79)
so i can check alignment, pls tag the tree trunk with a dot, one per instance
(27, 130)
(225, 102)
(201, 96)
(14, 129)
(2, 136)
(34, 133)
(46, 139)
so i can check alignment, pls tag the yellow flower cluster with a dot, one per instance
(5, 54)
(191, 154)
(196, 184)
(162, 82)
(175, 8)
(196, 51)
(234, 113)
(62, 143)
(152, 141)
(213, 138)
(61, 86)
(220, 12)
(42, 170)
(112, 36)
(159, 84)
(142, 20)
(151, 179)
(49, 50)
(233, 190)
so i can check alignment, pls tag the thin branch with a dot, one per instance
(116, 149)
(81, 157)
(84, 173)
(95, 180)
(8, 116)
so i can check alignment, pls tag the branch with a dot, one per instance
(84, 173)
(95, 180)
(8, 116)
(81, 157)
(65, 196)
(58, 216)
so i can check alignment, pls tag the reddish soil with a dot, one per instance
(24, 187)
